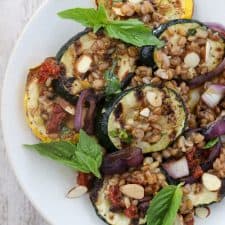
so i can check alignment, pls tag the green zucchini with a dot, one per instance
(112, 121)
(103, 207)
(185, 28)
(78, 61)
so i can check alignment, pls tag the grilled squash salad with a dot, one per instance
(136, 104)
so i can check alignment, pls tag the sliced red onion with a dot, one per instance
(189, 180)
(177, 169)
(222, 139)
(84, 117)
(215, 129)
(89, 119)
(199, 80)
(120, 161)
(215, 152)
(213, 95)
(216, 27)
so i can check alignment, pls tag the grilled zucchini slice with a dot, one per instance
(83, 69)
(180, 37)
(33, 112)
(147, 117)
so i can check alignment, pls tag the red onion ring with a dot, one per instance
(83, 119)
(216, 27)
(89, 123)
(215, 129)
(121, 161)
(199, 80)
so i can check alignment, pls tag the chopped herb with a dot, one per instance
(122, 135)
(112, 82)
(191, 32)
(211, 143)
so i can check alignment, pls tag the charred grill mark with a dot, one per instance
(139, 94)
(126, 81)
(118, 111)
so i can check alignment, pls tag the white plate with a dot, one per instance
(44, 181)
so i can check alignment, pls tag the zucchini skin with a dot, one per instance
(59, 88)
(158, 31)
(147, 52)
(101, 121)
(97, 185)
(76, 37)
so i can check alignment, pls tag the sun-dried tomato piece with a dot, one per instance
(84, 179)
(115, 196)
(57, 116)
(197, 172)
(131, 212)
(49, 68)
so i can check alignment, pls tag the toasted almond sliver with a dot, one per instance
(145, 112)
(134, 191)
(83, 64)
(192, 60)
(155, 99)
(211, 182)
(77, 192)
(202, 212)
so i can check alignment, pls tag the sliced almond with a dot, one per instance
(202, 212)
(77, 192)
(117, 11)
(211, 182)
(208, 52)
(66, 105)
(135, 1)
(83, 64)
(134, 191)
(192, 60)
(145, 112)
(155, 99)
(163, 74)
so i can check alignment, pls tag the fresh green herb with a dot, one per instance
(65, 131)
(122, 135)
(112, 82)
(211, 143)
(85, 156)
(131, 31)
(164, 206)
(191, 32)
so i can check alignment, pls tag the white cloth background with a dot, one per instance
(15, 209)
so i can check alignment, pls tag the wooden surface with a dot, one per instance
(15, 209)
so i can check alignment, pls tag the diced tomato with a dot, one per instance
(56, 118)
(84, 179)
(49, 68)
(197, 172)
(131, 212)
(115, 196)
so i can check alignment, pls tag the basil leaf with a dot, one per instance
(164, 206)
(131, 31)
(85, 156)
(62, 152)
(87, 17)
(211, 143)
(89, 146)
(137, 35)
